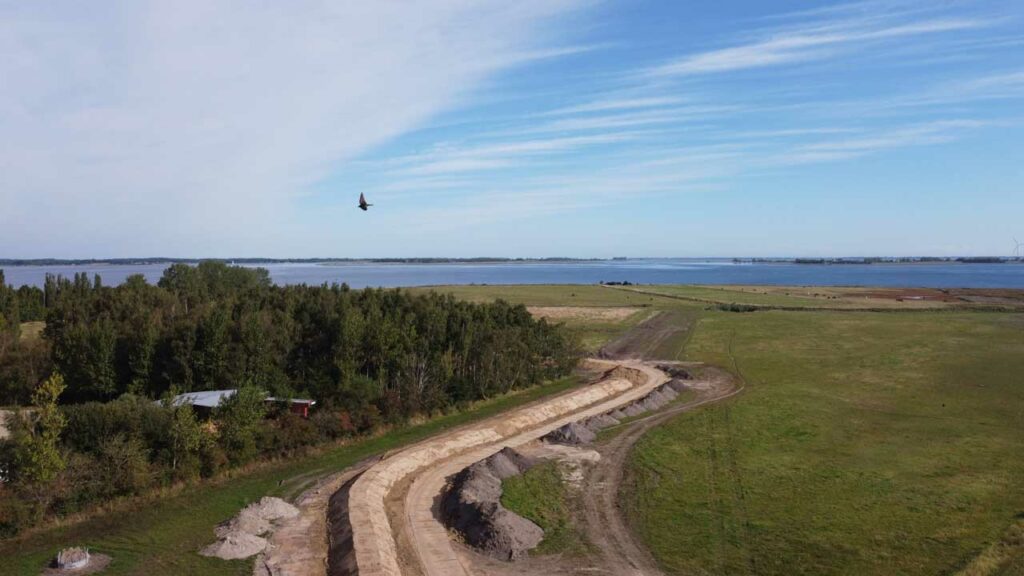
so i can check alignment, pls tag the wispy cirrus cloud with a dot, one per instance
(813, 42)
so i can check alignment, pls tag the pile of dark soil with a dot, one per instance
(573, 434)
(471, 506)
(677, 372)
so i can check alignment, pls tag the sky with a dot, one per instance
(585, 128)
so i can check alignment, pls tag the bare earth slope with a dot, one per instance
(421, 471)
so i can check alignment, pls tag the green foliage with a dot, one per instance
(238, 421)
(367, 357)
(160, 537)
(211, 326)
(185, 441)
(38, 459)
(125, 465)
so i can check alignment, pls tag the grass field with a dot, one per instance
(839, 298)
(865, 443)
(161, 537)
(540, 495)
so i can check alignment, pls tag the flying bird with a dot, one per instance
(362, 202)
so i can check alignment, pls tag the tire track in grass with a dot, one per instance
(716, 504)
(739, 492)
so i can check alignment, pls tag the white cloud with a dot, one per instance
(800, 45)
(617, 104)
(132, 127)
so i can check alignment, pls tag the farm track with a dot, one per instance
(604, 523)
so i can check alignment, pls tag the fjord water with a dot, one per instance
(640, 271)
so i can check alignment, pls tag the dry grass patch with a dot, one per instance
(584, 313)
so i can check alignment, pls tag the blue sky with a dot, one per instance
(562, 127)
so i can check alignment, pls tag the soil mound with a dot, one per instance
(677, 384)
(573, 434)
(507, 463)
(272, 509)
(235, 546)
(600, 422)
(247, 521)
(621, 372)
(677, 372)
(241, 536)
(471, 506)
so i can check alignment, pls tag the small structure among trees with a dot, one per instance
(206, 401)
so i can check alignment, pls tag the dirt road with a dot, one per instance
(604, 524)
(414, 541)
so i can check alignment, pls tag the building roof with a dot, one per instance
(206, 399)
(213, 398)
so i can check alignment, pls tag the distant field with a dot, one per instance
(866, 443)
(555, 303)
(549, 295)
(843, 298)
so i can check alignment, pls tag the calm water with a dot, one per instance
(653, 271)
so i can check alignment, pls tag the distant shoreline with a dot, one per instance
(840, 261)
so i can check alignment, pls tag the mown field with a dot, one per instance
(161, 536)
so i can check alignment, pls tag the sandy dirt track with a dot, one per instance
(431, 551)
(300, 544)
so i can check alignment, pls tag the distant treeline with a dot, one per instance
(881, 260)
(163, 260)
(367, 356)
(216, 326)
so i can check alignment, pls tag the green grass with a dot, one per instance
(551, 295)
(162, 537)
(607, 434)
(865, 443)
(540, 495)
(799, 297)
(592, 333)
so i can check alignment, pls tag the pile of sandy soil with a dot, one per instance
(235, 546)
(471, 506)
(242, 536)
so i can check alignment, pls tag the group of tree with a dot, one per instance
(107, 353)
